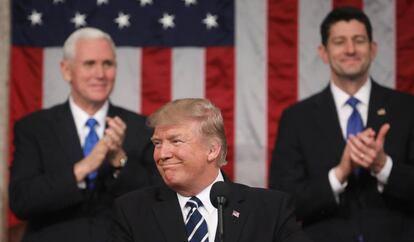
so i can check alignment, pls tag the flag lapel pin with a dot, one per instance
(235, 214)
(381, 112)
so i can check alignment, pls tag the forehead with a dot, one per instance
(347, 28)
(184, 128)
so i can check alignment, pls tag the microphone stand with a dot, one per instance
(220, 204)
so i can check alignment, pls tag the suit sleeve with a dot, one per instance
(400, 146)
(290, 171)
(119, 231)
(288, 229)
(35, 188)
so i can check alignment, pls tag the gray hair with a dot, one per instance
(84, 33)
(198, 109)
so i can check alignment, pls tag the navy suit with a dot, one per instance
(310, 143)
(253, 214)
(43, 187)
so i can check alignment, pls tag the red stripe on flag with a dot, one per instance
(405, 46)
(156, 78)
(355, 3)
(282, 63)
(26, 82)
(220, 90)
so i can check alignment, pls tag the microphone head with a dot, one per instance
(219, 193)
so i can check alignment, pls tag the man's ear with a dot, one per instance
(323, 54)
(65, 69)
(214, 150)
(374, 50)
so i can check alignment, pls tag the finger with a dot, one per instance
(117, 124)
(357, 161)
(357, 145)
(367, 138)
(381, 134)
(113, 136)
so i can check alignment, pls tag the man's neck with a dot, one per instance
(89, 108)
(350, 86)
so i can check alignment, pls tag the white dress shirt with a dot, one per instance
(344, 111)
(208, 211)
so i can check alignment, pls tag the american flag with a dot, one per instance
(252, 58)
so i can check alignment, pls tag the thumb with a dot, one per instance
(382, 133)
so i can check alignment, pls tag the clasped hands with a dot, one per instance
(108, 148)
(365, 150)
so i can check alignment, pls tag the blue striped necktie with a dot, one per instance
(195, 223)
(90, 142)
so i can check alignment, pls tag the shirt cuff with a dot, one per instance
(384, 174)
(337, 187)
(82, 185)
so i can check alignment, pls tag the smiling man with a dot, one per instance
(347, 153)
(72, 160)
(190, 147)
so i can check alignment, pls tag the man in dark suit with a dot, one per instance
(65, 175)
(190, 148)
(346, 154)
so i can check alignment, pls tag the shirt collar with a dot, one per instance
(81, 116)
(204, 196)
(340, 97)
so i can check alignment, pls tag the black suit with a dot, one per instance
(43, 187)
(310, 143)
(154, 214)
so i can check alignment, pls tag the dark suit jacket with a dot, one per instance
(43, 188)
(310, 143)
(154, 214)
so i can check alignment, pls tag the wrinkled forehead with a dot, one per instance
(181, 127)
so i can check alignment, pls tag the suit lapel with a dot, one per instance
(65, 131)
(377, 113)
(235, 215)
(326, 117)
(112, 111)
(169, 216)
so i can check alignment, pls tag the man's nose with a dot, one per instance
(99, 71)
(165, 151)
(350, 47)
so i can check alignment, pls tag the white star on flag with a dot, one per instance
(122, 20)
(210, 21)
(79, 20)
(145, 2)
(190, 2)
(35, 18)
(100, 2)
(167, 21)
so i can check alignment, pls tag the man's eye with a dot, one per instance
(177, 141)
(108, 63)
(338, 42)
(360, 40)
(89, 64)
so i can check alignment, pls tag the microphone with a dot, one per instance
(219, 198)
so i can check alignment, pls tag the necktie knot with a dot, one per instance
(194, 202)
(91, 123)
(352, 101)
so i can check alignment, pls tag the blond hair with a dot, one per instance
(198, 109)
